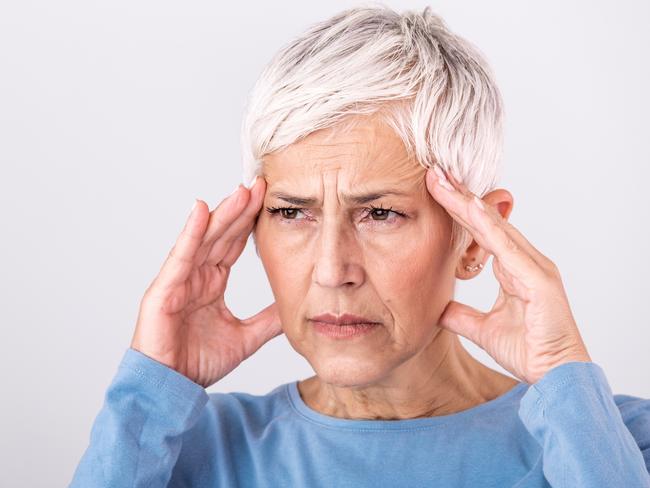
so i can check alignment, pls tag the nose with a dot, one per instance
(336, 259)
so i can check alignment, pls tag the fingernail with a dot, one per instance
(442, 179)
(252, 182)
(234, 191)
(193, 206)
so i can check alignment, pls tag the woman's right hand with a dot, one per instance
(183, 321)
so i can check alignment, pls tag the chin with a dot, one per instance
(347, 371)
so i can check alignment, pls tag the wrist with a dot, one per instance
(579, 355)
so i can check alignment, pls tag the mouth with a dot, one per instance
(344, 327)
(345, 319)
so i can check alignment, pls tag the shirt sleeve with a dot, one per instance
(136, 437)
(571, 412)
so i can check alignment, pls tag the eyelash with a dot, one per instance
(369, 210)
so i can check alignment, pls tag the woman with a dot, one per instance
(374, 139)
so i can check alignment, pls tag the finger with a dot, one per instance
(488, 232)
(217, 221)
(236, 248)
(515, 234)
(444, 193)
(267, 319)
(241, 226)
(262, 327)
(492, 212)
(179, 263)
(221, 218)
(464, 320)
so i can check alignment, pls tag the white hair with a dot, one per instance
(434, 89)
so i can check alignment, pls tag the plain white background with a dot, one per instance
(115, 115)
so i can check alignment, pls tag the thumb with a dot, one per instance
(464, 320)
(265, 324)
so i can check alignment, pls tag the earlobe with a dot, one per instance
(470, 263)
(468, 270)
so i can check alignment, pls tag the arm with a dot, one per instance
(571, 412)
(185, 340)
(531, 332)
(136, 437)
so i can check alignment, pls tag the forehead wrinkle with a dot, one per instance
(340, 154)
(366, 141)
(357, 142)
(383, 163)
(353, 198)
(404, 176)
(368, 152)
(365, 190)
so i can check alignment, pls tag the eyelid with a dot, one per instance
(369, 209)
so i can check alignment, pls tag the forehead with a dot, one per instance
(362, 148)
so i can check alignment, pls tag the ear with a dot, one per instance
(473, 255)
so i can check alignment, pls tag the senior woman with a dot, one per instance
(375, 139)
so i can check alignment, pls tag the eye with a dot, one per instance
(287, 213)
(383, 213)
(378, 214)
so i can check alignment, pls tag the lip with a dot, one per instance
(345, 326)
(345, 319)
(335, 331)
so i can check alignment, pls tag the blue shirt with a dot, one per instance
(158, 428)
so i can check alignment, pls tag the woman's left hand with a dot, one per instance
(530, 328)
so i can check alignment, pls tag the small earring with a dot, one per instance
(474, 268)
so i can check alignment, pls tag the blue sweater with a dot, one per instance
(158, 428)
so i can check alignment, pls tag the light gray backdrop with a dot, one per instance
(114, 115)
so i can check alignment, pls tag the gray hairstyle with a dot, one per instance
(432, 87)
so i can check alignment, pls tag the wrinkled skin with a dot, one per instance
(338, 256)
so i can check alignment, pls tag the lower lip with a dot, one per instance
(343, 331)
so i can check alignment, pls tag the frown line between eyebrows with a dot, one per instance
(354, 199)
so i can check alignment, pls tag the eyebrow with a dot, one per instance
(356, 199)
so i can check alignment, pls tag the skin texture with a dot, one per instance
(334, 255)
(339, 257)
(183, 321)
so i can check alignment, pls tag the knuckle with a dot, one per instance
(552, 268)
(508, 225)
(549, 266)
(149, 296)
(548, 279)
(510, 244)
(497, 227)
(153, 289)
(174, 254)
(219, 219)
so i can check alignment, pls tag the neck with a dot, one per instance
(441, 379)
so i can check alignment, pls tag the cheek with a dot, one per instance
(285, 270)
(284, 260)
(413, 280)
(401, 256)
(407, 267)
(407, 256)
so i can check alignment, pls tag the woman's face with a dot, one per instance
(338, 256)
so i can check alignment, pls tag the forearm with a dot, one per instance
(137, 435)
(572, 414)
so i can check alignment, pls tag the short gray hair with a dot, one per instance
(435, 88)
